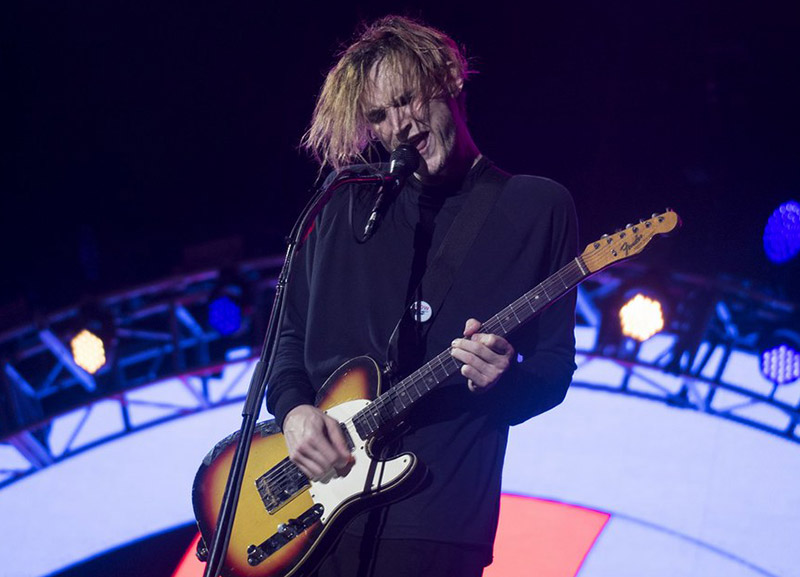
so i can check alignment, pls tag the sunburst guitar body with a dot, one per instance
(284, 522)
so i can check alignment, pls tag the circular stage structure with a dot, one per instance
(668, 457)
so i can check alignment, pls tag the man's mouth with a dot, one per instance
(419, 141)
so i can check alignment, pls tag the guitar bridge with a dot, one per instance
(286, 532)
(285, 481)
(280, 485)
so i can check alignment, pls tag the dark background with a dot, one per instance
(133, 130)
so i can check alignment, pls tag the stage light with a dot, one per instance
(780, 357)
(88, 351)
(94, 338)
(641, 317)
(782, 233)
(224, 315)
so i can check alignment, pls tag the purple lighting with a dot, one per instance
(782, 233)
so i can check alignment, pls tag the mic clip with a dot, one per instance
(403, 161)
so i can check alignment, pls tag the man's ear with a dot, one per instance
(456, 87)
(458, 96)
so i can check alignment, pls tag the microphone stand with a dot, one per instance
(258, 382)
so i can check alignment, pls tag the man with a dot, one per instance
(402, 82)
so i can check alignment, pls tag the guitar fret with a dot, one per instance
(531, 303)
(500, 322)
(397, 403)
(494, 326)
(416, 388)
(387, 410)
(369, 428)
(402, 395)
(361, 429)
(412, 393)
(556, 285)
(376, 409)
(373, 423)
(580, 270)
(558, 274)
(455, 366)
(579, 262)
(444, 368)
(520, 305)
(428, 377)
(387, 407)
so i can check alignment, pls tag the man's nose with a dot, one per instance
(400, 123)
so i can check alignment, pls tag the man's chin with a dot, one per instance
(422, 170)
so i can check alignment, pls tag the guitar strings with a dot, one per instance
(569, 276)
(279, 474)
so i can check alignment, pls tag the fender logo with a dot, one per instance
(627, 247)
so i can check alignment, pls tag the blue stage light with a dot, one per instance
(781, 364)
(780, 356)
(782, 233)
(224, 315)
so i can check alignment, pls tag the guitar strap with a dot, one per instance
(439, 276)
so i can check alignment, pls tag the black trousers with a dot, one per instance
(369, 557)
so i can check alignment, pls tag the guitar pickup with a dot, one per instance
(280, 485)
(256, 554)
(285, 481)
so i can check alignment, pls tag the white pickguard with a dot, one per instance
(360, 480)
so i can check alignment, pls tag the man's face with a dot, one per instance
(396, 115)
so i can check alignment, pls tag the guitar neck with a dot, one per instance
(394, 402)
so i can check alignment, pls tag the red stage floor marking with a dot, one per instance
(534, 537)
(543, 538)
(189, 565)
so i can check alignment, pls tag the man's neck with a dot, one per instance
(457, 168)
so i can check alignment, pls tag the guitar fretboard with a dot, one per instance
(391, 404)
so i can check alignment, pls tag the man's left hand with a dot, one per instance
(485, 356)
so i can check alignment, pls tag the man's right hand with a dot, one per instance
(316, 443)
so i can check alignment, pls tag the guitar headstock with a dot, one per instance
(628, 242)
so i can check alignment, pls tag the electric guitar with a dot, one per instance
(284, 522)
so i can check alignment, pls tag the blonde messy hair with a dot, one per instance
(429, 61)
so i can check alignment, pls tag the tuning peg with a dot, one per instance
(604, 236)
(655, 214)
(630, 224)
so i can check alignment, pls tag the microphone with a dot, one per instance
(403, 161)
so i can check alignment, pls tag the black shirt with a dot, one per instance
(345, 298)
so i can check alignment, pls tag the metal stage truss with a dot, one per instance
(165, 361)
